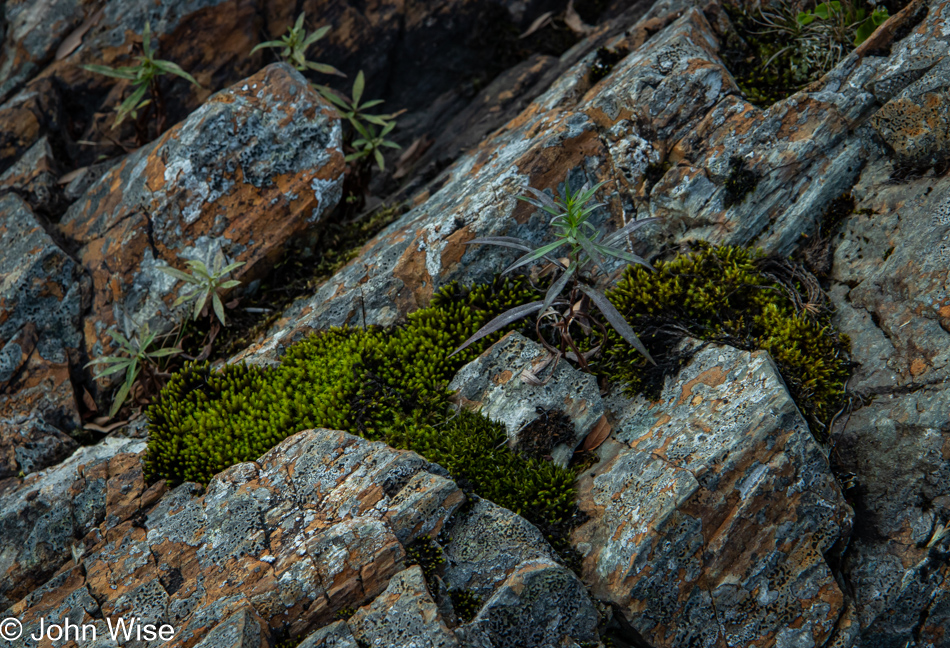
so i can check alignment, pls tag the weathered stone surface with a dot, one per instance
(298, 535)
(39, 284)
(51, 514)
(243, 629)
(493, 385)
(34, 177)
(33, 30)
(488, 543)
(541, 604)
(403, 615)
(712, 511)
(335, 635)
(254, 168)
(891, 294)
(40, 302)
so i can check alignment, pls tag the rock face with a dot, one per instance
(723, 455)
(253, 169)
(714, 518)
(502, 385)
(317, 526)
(41, 295)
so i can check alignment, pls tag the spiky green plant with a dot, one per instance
(144, 76)
(582, 272)
(206, 284)
(134, 355)
(294, 45)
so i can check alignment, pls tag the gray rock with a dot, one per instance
(335, 635)
(541, 604)
(494, 385)
(487, 544)
(403, 615)
(712, 510)
(243, 629)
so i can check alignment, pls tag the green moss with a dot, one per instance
(383, 384)
(604, 64)
(427, 554)
(719, 294)
(465, 604)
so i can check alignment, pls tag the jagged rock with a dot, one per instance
(403, 615)
(56, 512)
(300, 534)
(493, 385)
(891, 297)
(243, 629)
(335, 635)
(41, 294)
(541, 604)
(39, 284)
(34, 177)
(488, 543)
(252, 170)
(712, 511)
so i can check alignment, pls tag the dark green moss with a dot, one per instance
(739, 183)
(605, 62)
(720, 294)
(383, 384)
(465, 604)
(427, 554)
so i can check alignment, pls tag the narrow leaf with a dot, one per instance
(500, 322)
(503, 241)
(218, 308)
(616, 320)
(534, 255)
(629, 228)
(556, 288)
(358, 87)
(173, 68)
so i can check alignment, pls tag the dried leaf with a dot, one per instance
(573, 20)
(596, 436)
(74, 40)
(538, 23)
(72, 175)
(104, 429)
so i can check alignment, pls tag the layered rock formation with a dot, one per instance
(711, 515)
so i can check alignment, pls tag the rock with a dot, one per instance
(210, 39)
(247, 174)
(28, 116)
(33, 32)
(300, 534)
(34, 178)
(488, 543)
(712, 511)
(891, 297)
(243, 629)
(41, 295)
(493, 384)
(39, 284)
(46, 517)
(403, 615)
(541, 604)
(335, 635)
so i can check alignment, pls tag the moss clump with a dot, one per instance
(427, 554)
(383, 384)
(605, 62)
(739, 183)
(465, 604)
(720, 294)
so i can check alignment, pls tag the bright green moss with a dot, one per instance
(386, 384)
(719, 294)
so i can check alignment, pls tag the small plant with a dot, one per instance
(144, 76)
(844, 20)
(370, 142)
(295, 44)
(207, 284)
(588, 246)
(134, 356)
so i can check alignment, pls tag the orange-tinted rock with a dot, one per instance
(712, 511)
(248, 174)
(34, 177)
